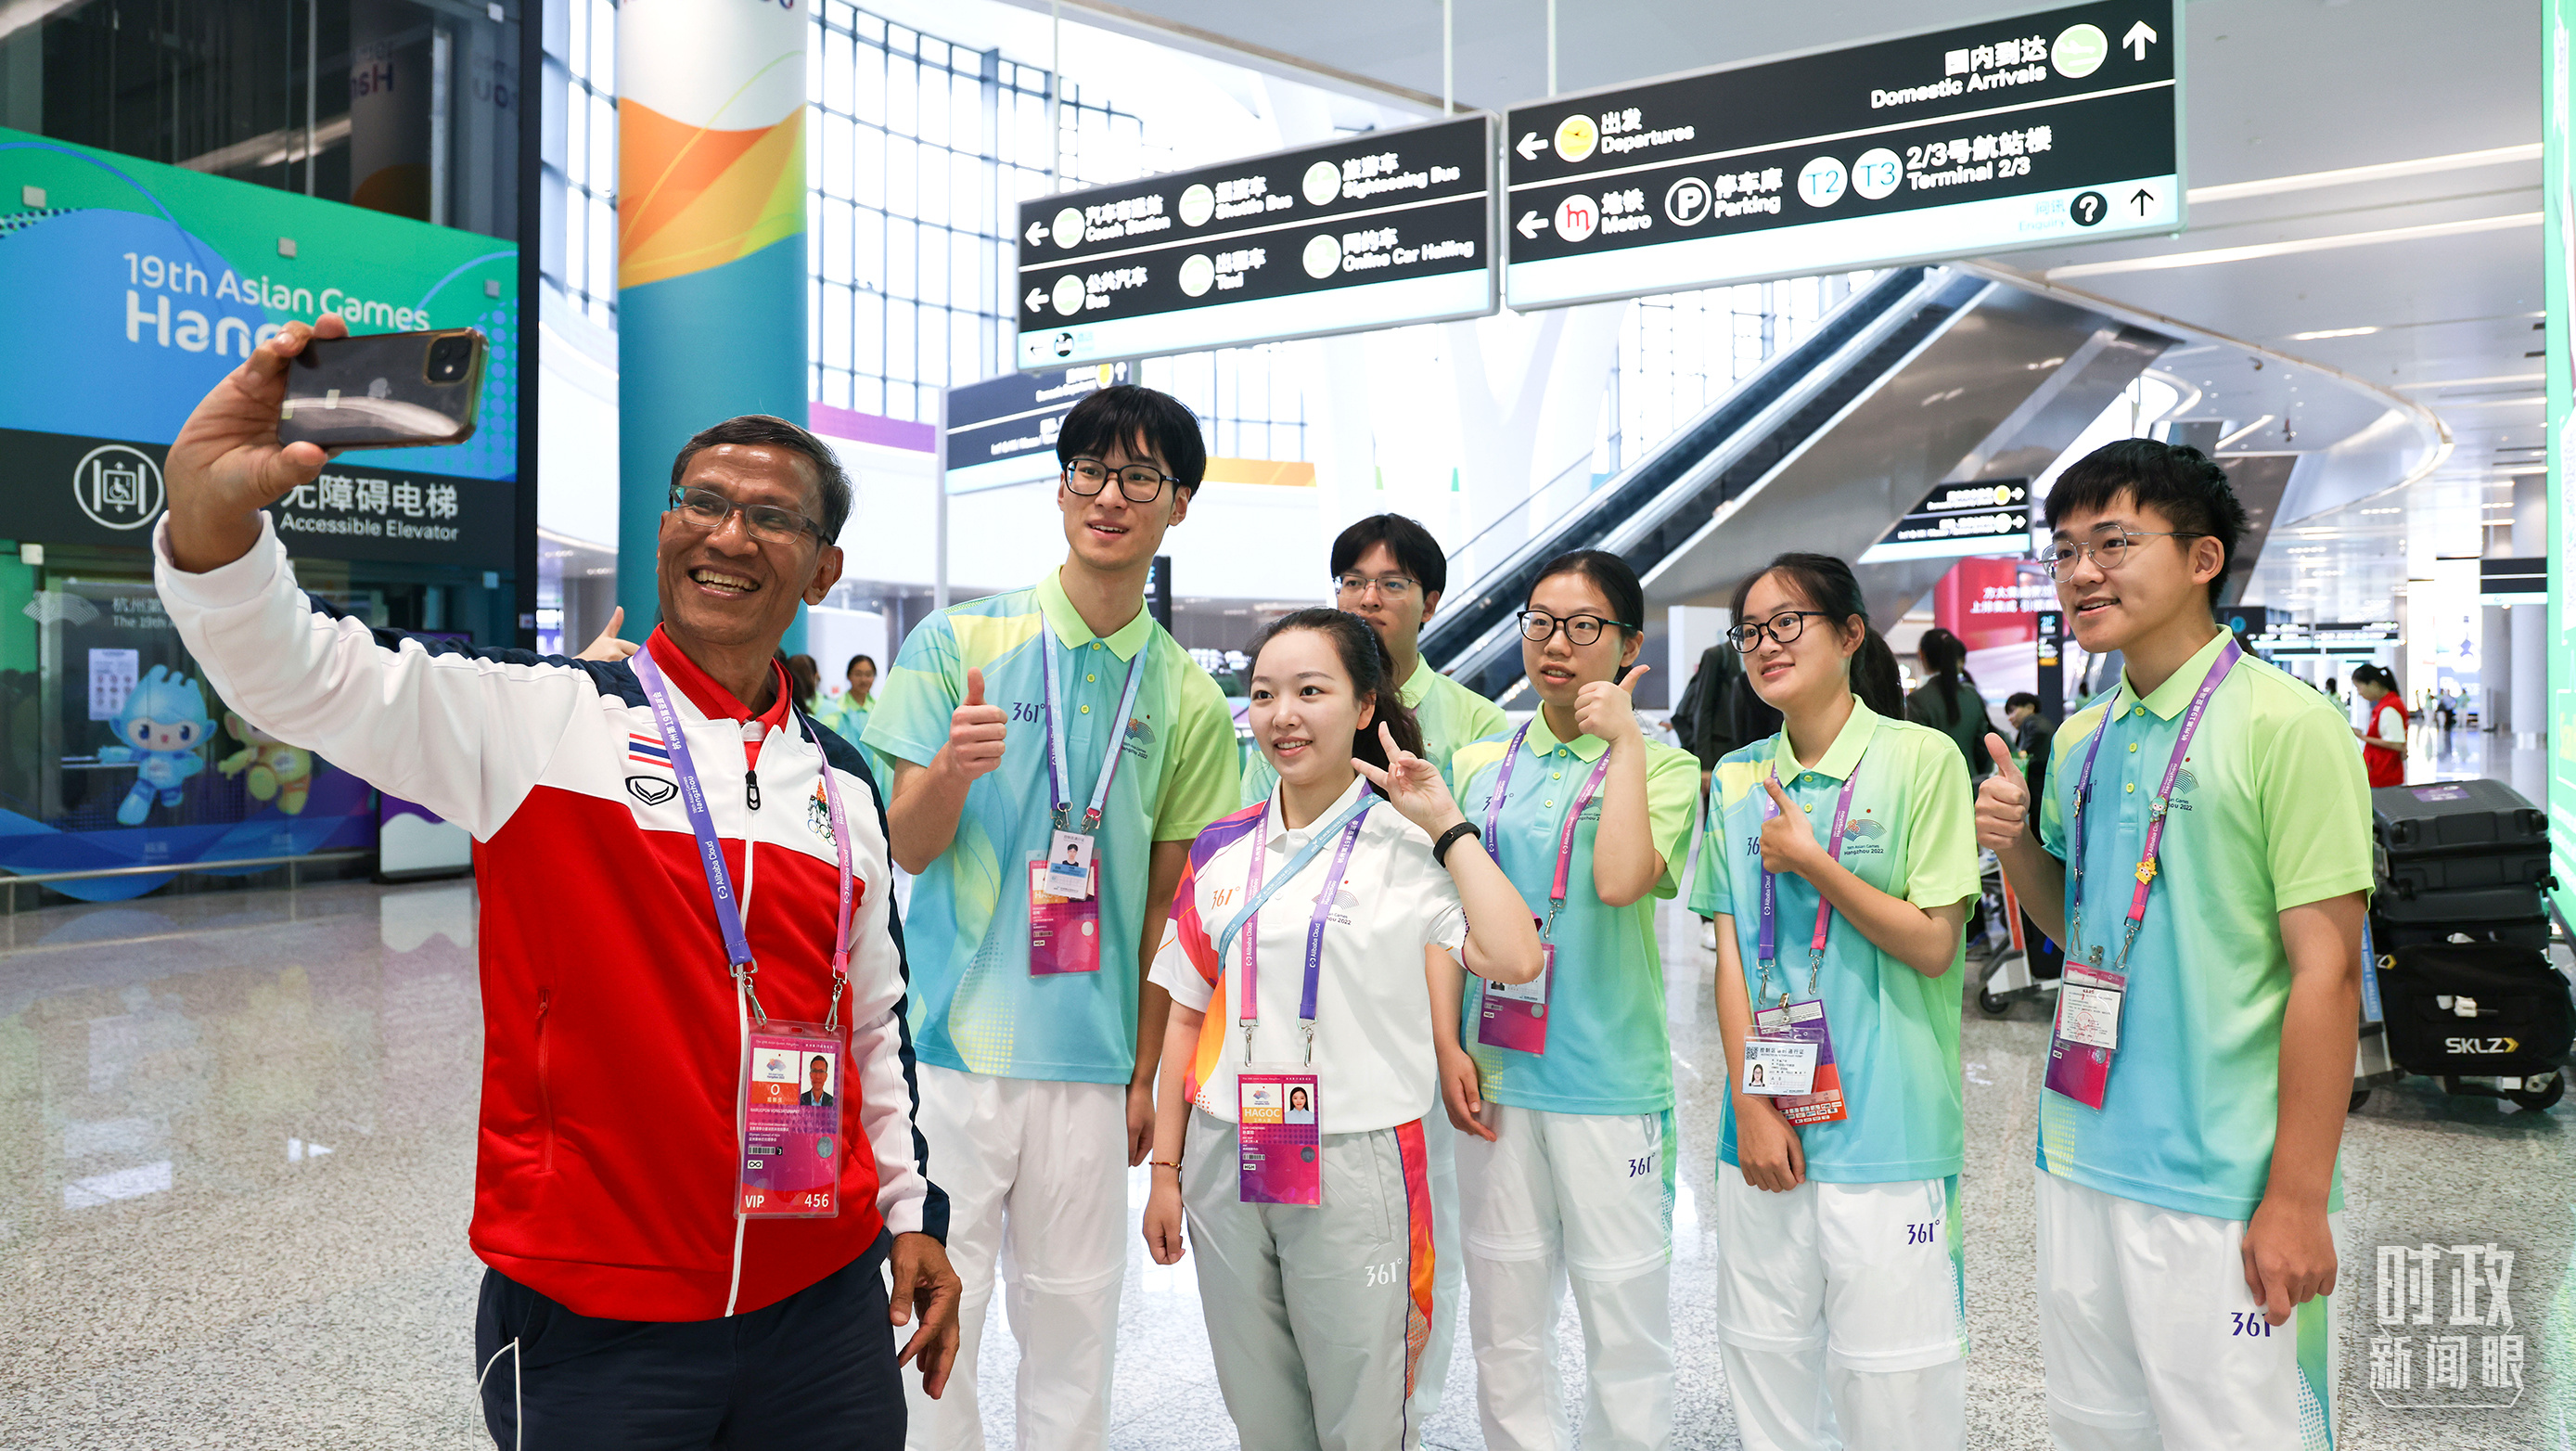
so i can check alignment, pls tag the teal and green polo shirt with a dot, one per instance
(974, 1005)
(2271, 810)
(850, 723)
(1607, 1047)
(1450, 714)
(1912, 835)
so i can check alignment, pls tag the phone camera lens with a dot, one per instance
(449, 357)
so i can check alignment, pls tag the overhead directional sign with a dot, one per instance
(1990, 516)
(1002, 431)
(2042, 130)
(1373, 230)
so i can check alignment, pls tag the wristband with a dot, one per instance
(1448, 839)
(1172, 1164)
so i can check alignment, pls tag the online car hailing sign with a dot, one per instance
(2041, 130)
(1369, 231)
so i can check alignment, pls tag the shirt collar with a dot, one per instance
(1841, 757)
(1123, 642)
(1542, 740)
(713, 700)
(1418, 684)
(1275, 833)
(2167, 700)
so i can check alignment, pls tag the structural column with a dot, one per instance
(710, 244)
(2530, 702)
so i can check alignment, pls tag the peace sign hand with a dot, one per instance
(1411, 785)
(2003, 801)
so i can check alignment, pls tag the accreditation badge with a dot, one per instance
(792, 1085)
(2086, 1034)
(1279, 1138)
(1514, 1015)
(1068, 873)
(1064, 932)
(1802, 1023)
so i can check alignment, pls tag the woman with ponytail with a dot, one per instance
(1839, 865)
(1949, 701)
(1299, 1065)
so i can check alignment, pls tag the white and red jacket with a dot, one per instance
(613, 1036)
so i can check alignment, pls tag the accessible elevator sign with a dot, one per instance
(1373, 230)
(2040, 130)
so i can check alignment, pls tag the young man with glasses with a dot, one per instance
(1053, 721)
(1389, 571)
(2201, 1061)
(633, 1283)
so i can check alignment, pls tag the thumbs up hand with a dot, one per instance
(974, 733)
(2003, 802)
(1609, 711)
(1789, 837)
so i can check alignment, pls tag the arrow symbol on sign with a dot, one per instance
(1036, 300)
(2138, 39)
(1037, 230)
(1529, 146)
(2144, 199)
(1528, 226)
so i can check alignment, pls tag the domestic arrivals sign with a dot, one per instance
(2041, 130)
(1990, 516)
(1372, 230)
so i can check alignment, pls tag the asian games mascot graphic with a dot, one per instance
(162, 728)
(278, 771)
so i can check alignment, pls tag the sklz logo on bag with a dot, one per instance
(2482, 1045)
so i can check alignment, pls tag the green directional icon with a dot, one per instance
(2080, 51)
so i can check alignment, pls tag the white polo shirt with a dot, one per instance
(1374, 1066)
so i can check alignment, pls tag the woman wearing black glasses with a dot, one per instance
(1840, 861)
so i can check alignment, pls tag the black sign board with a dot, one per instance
(71, 490)
(2051, 686)
(2039, 130)
(1002, 431)
(1371, 230)
(1988, 517)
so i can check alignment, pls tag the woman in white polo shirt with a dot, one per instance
(1303, 1037)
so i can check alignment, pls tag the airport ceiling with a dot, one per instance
(2365, 196)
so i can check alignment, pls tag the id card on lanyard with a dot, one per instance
(1790, 1057)
(1514, 1015)
(2086, 1035)
(1279, 1118)
(788, 1090)
(1067, 865)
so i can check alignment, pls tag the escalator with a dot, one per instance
(1930, 375)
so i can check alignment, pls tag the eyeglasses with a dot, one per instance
(2107, 554)
(1538, 627)
(1393, 586)
(707, 510)
(1088, 476)
(1784, 627)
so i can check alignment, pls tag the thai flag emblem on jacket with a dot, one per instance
(647, 751)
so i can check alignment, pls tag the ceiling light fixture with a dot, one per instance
(2345, 176)
(2242, 432)
(2217, 255)
(2332, 332)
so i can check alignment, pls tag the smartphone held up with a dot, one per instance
(384, 390)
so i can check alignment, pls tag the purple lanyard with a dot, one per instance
(1766, 950)
(2156, 809)
(1059, 763)
(1255, 894)
(1564, 837)
(657, 694)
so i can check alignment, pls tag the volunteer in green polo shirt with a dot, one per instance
(1389, 571)
(1846, 842)
(1055, 752)
(1566, 1084)
(2211, 894)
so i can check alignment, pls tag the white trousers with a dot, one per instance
(2151, 1338)
(1036, 1176)
(1317, 1316)
(1841, 1315)
(1585, 1198)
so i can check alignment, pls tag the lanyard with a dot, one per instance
(1348, 825)
(2156, 809)
(1059, 763)
(657, 694)
(1767, 949)
(1564, 837)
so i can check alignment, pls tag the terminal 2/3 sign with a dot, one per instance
(1367, 231)
(2038, 130)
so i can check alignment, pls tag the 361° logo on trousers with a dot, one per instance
(118, 487)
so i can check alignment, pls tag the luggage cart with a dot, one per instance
(2008, 978)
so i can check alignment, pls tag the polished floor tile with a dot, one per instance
(236, 1139)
